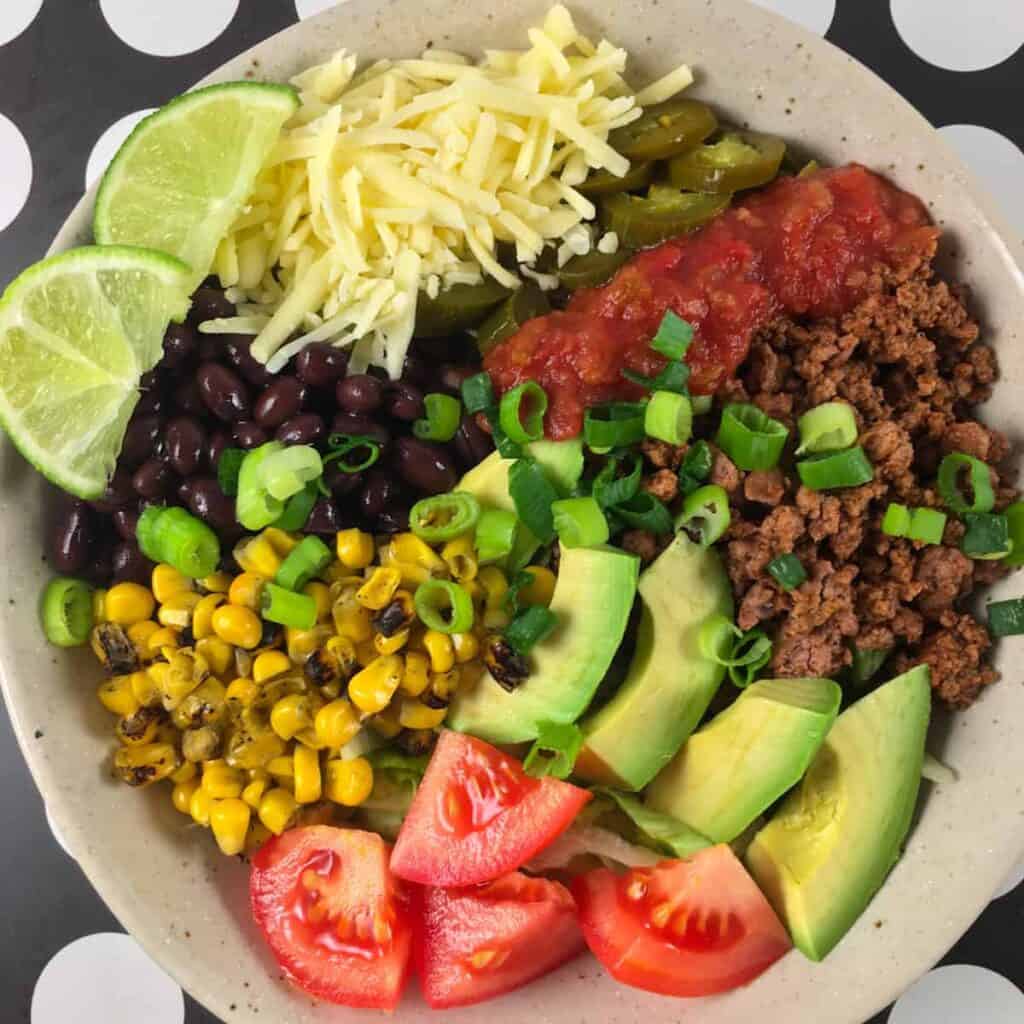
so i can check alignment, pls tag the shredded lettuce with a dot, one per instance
(396, 777)
(590, 840)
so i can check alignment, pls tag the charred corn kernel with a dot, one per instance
(99, 605)
(128, 603)
(165, 636)
(440, 649)
(301, 643)
(407, 547)
(253, 747)
(243, 691)
(353, 621)
(342, 648)
(257, 555)
(145, 688)
(166, 582)
(117, 695)
(355, 549)
(443, 685)
(335, 724)
(221, 781)
(308, 781)
(372, 688)
(466, 646)
(181, 795)
(177, 610)
(216, 583)
(258, 834)
(245, 590)
(386, 723)
(202, 615)
(277, 809)
(321, 594)
(348, 783)
(185, 772)
(253, 792)
(237, 625)
(200, 806)
(414, 714)
(281, 541)
(378, 590)
(220, 656)
(390, 644)
(290, 715)
(185, 671)
(541, 587)
(229, 821)
(415, 674)
(140, 634)
(146, 764)
(138, 728)
(269, 664)
(460, 557)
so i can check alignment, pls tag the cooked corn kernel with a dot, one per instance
(416, 673)
(167, 582)
(253, 746)
(185, 671)
(541, 587)
(290, 715)
(355, 549)
(352, 621)
(257, 555)
(128, 603)
(237, 625)
(348, 783)
(177, 611)
(386, 723)
(378, 590)
(441, 650)
(366, 653)
(216, 583)
(277, 809)
(246, 589)
(414, 714)
(186, 772)
(308, 781)
(140, 634)
(460, 557)
(145, 688)
(117, 695)
(165, 636)
(270, 664)
(443, 686)
(219, 655)
(321, 594)
(390, 644)
(282, 769)
(253, 792)
(281, 541)
(146, 764)
(335, 724)
(229, 820)
(221, 781)
(99, 605)
(301, 643)
(372, 688)
(200, 806)
(137, 728)
(411, 574)
(495, 587)
(242, 690)
(342, 648)
(407, 547)
(202, 615)
(466, 646)
(181, 795)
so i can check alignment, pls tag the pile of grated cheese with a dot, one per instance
(405, 176)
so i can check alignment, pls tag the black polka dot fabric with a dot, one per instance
(65, 959)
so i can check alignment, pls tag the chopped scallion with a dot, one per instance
(521, 412)
(674, 376)
(533, 494)
(1006, 618)
(788, 571)
(866, 663)
(669, 417)
(285, 471)
(66, 612)
(443, 413)
(304, 562)
(495, 534)
(352, 454)
(705, 516)
(751, 438)
(286, 608)
(297, 509)
(613, 425)
(529, 627)
(610, 489)
(478, 393)
(830, 427)
(1015, 519)
(555, 750)
(987, 535)
(579, 522)
(444, 516)
(896, 521)
(982, 498)
(673, 337)
(645, 512)
(229, 465)
(173, 536)
(835, 470)
(444, 606)
(927, 525)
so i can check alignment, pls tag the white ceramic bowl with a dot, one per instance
(187, 904)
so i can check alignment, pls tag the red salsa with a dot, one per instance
(802, 247)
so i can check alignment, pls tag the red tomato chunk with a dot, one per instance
(801, 247)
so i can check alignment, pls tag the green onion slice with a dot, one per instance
(297, 508)
(444, 516)
(444, 606)
(669, 417)
(533, 495)
(833, 471)
(530, 627)
(352, 453)
(255, 507)
(145, 530)
(304, 562)
(66, 611)
(987, 535)
(896, 521)
(695, 467)
(979, 476)
(286, 608)
(229, 465)
(1015, 521)
(743, 654)
(555, 750)
(927, 525)
(609, 488)
(788, 571)
(495, 534)
(613, 424)
(580, 523)
(285, 471)
(752, 439)
(507, 448)
(866, 663)
(1006, 618)
(174, 536)
(478, 393)
(673, 336)
(443, 414)
(644, 511)
(673, 377)
(521, 412)
(705, 516)
(827, 428)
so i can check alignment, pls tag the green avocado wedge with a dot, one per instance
(827, 851)
(745, 758)
(592, 601)
(669, 683)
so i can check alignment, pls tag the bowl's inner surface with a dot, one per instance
(186, 903)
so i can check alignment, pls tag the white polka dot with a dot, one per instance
(15, 171)
(814, 15)
(1011, 883)
(958, 993)
(960, 35)
(109, 143)
(998, 163)
(61, 841)
(16, 16)
(168, 28)
(309, 8)
(105, 979)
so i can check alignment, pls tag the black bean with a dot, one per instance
(404, 401)
(319, 365)
(359, 393)
(139, 440)
(324, 518)
(185, 441)
(188, 398)
(179, 345)
(125, 522)
(184, 491)
(426, 467)
(210, 304)
(340, 483)
(417, 370)
(148, 380)
(380, 490)
(127, 562)
(153, 479)
(305, 428)
(472, 445)
(215, 448)
(211, 348)
(249, 434)
(223, 392)
(210, 503)
(361, 426)
(119, 491)
(150, 403)
(236, 347)
(278, 402)
(98, 570)
(72, 538)
(452, 376)
(394, 519)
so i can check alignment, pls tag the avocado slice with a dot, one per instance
(592, 600)
(669, 683)
(561, 460)
(827, 851)
(745, 758)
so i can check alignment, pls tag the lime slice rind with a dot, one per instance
(181, 178)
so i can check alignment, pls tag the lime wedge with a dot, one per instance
(76, 333)
(180, 179)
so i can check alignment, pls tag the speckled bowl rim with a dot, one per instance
(187, 906)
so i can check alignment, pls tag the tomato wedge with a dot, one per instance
(477, 815)
(681, 928)
(336, 920)
(474, 944)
